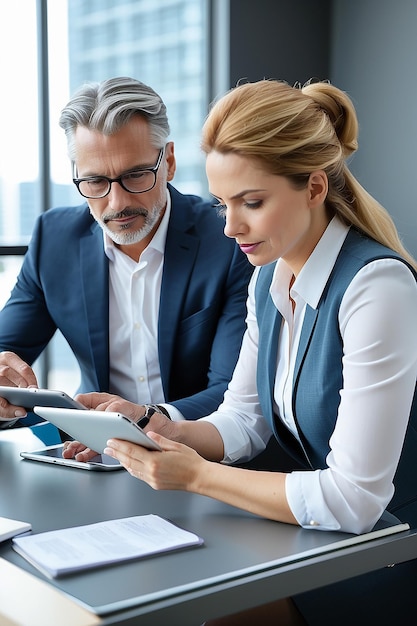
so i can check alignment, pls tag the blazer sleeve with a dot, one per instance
(25, 323)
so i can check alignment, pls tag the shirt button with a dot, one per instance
(141, 379)
(314, 523)
(137, 325)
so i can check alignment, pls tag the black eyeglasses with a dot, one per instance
(137, 181)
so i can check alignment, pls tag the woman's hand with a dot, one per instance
(177, 467)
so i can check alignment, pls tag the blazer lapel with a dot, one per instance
(95, 281)
(180, 251)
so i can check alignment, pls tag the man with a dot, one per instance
(140, 279)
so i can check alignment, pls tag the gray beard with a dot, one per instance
(128, 236)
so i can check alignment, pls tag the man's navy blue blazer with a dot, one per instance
(64, 284)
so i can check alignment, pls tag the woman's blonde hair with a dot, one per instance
(293, 131)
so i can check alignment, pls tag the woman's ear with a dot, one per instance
(318, 187)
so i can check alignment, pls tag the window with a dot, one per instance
(161, 43)
(19, 166)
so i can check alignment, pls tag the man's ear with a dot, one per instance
(170, 159)
(318, 186)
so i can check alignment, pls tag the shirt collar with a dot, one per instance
(158, 240)
(312, 279)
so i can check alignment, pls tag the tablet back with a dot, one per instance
(95, 428)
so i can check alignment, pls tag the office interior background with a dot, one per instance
(191, 51)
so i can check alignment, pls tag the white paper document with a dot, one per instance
(11, 527)
(64, 551)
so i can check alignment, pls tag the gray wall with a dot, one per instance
(374, 59)
(283, 39)
(367, 48)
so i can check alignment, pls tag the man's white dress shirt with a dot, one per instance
(134, 295)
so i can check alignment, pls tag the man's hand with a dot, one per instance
(78, 451)
(14, 372)
(109, 402)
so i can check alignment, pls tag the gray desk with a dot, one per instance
(245, 561)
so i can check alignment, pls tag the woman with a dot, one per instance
(328, 363)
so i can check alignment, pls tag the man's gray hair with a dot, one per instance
(109, 105)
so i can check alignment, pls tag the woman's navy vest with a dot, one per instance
(318, 371)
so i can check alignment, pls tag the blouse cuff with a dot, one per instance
(305, 499)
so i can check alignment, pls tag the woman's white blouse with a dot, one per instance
(378, 325)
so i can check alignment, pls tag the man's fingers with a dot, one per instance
(15, 372)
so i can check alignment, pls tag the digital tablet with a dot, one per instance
(53, 454)
(28, 397)
(94, 428)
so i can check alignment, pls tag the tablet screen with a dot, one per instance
(53, 454)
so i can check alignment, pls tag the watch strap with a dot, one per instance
(150, 409)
